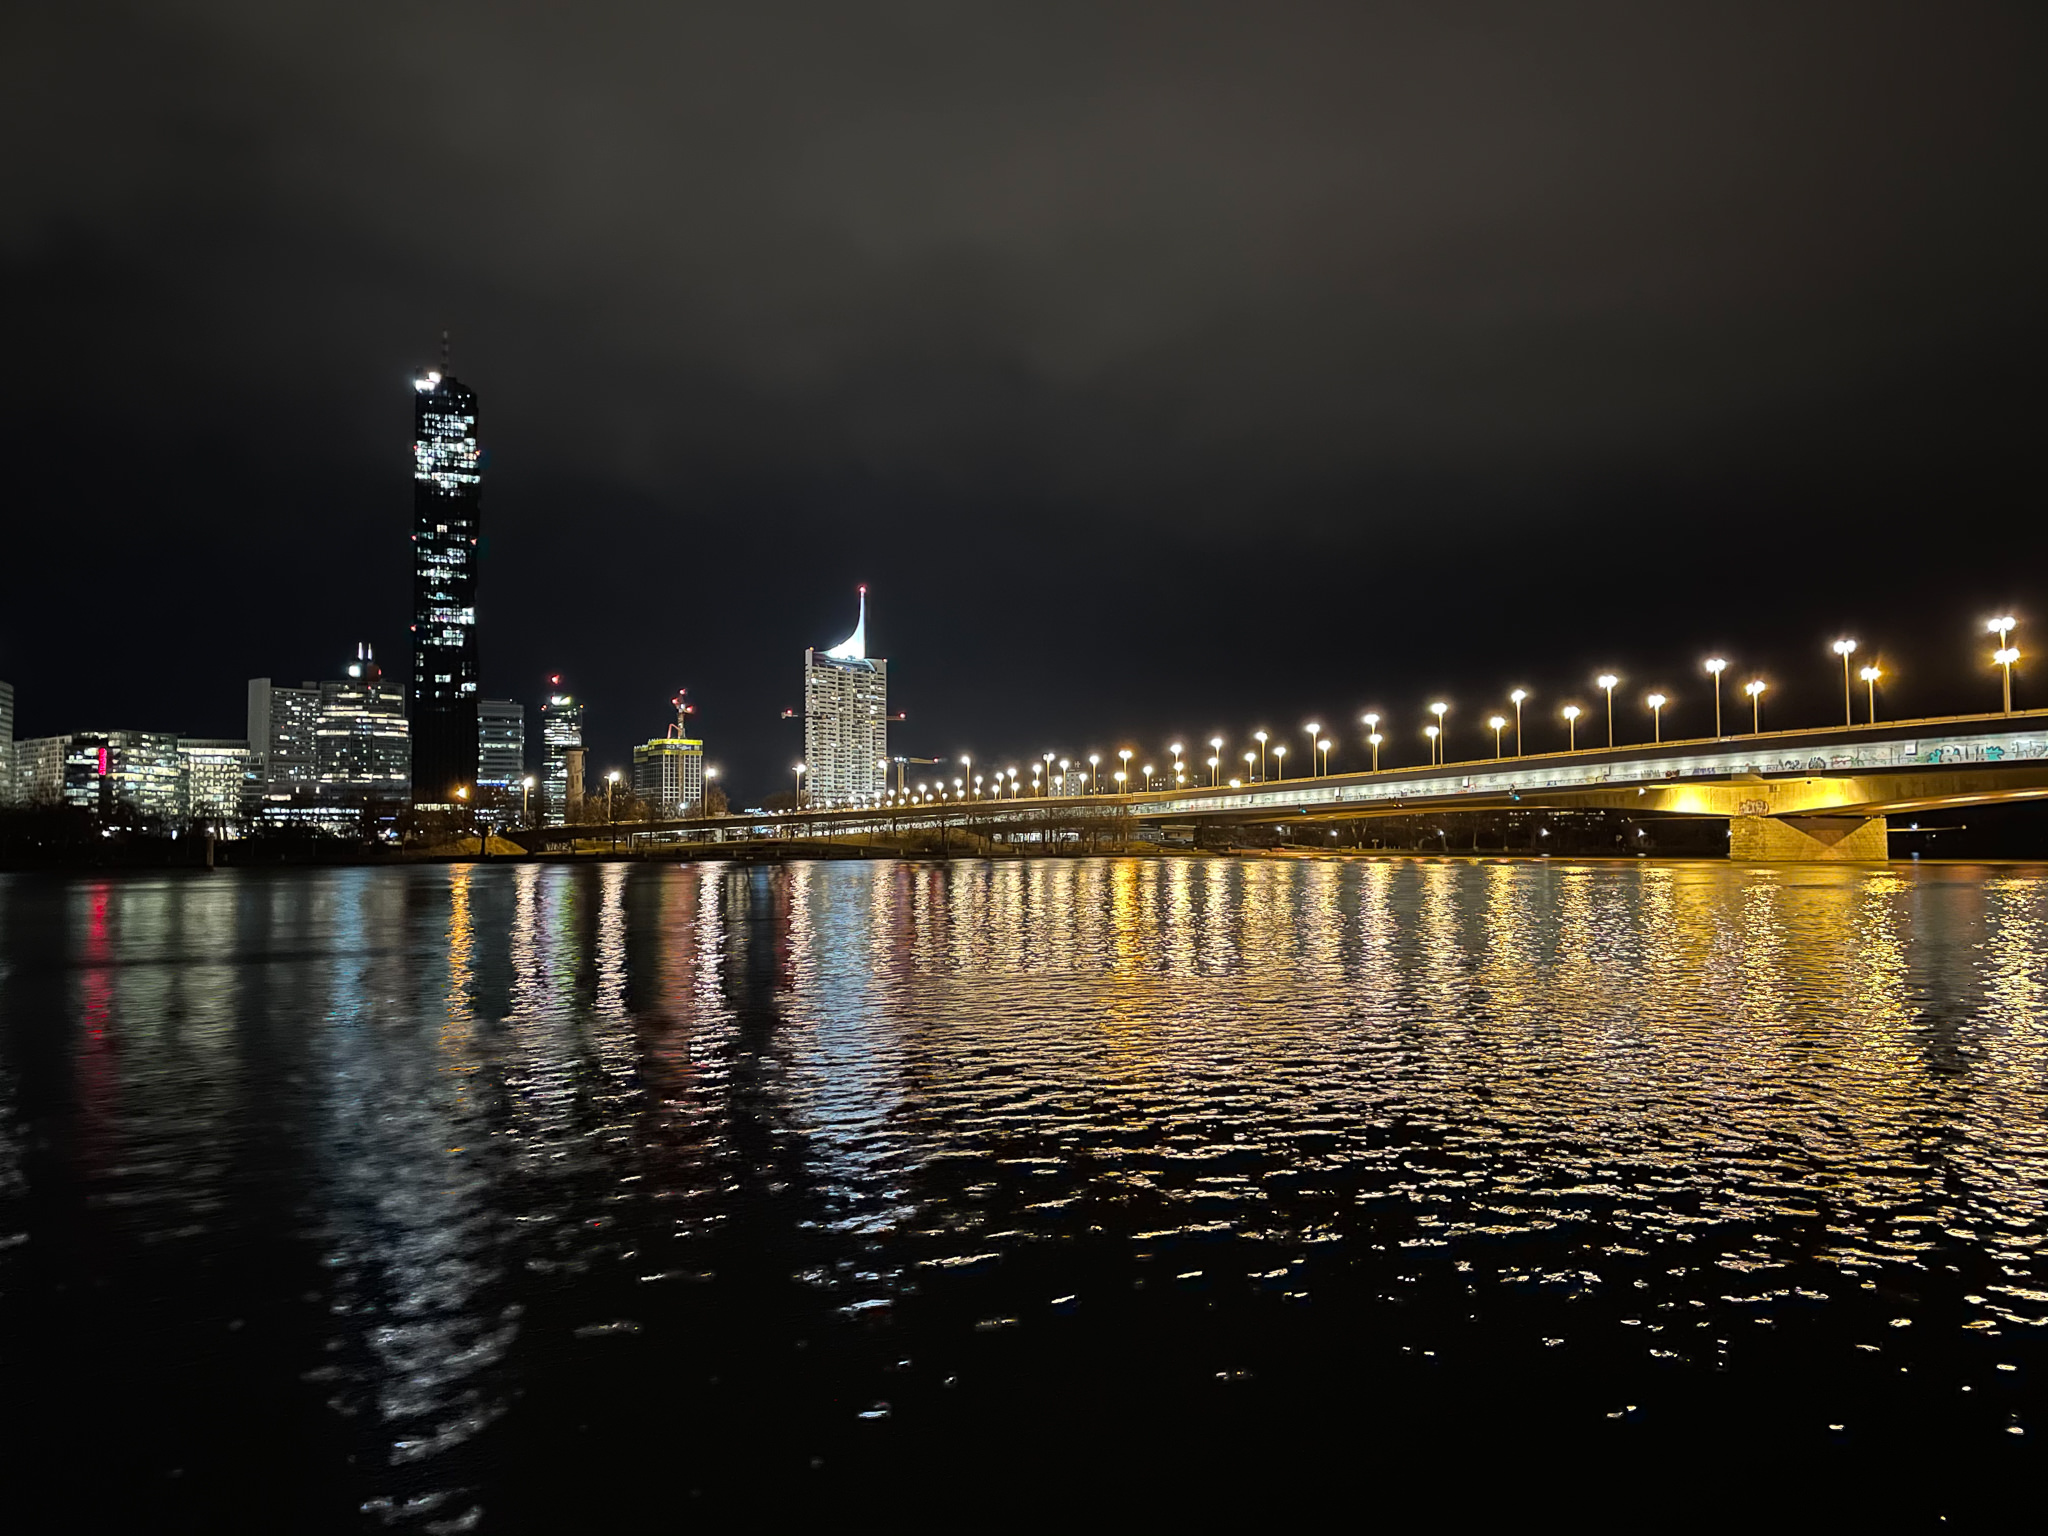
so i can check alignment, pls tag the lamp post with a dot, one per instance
(1845, 649)
(1125, 754)
(1260, 738)
(1094, 760)
(1047, 758)
(611, 782)
(1607, 680)
(526, 801)
(1175, 750)
(1215, 766)
(1374, 741)
(1717, 666)
(1656, 701)
(1571, 727)
(1323, 747)
(1145, 772)
(1249, 759)
(1119, 776)
(799, 770)
(711, 778)
(1436, 738)
(1870, 675)
(1497, 722)
(1314, 731)
(1280, 753)
(1432, 733)
(1755, 689)
(1216, 756)
(2005, 655)
(1515, 699)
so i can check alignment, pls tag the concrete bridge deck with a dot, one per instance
(1816, 793)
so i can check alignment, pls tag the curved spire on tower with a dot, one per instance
(855, 646)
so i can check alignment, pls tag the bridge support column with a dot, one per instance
(1790, 839)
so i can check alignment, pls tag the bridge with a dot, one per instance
(1819, 794)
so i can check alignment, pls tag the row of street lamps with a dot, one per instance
(1007, 783)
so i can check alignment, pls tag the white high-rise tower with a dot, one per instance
(846, 719)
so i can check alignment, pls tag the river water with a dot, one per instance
(615, 1196)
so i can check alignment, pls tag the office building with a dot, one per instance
(500, 744)
(363, 738)
(846, 719)
(6, 743)
(668, 772)
(446, 489)
(284, 745)
(561, 731)
(120, 775)
(217, 781)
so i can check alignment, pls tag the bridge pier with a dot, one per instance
(1795, 839)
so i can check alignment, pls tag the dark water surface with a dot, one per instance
(611, 1197)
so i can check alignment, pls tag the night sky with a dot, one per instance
(1164, 370)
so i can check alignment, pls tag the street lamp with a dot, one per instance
(1432, 733)
(1717, 666)
(1755, 689)
(1845, 649)
(1249, 759)
(1436, 736)
(800, 785)
(1656, 701)
(1571, 727)
(1323, 747)
(1607, 680)
(1216, 746)
(1215, 763)
(1497, 722)
(1281, 754)
(2005, 655)
(1125, 754)
(1374, 741)
(1870, 675)
(1119, 776)
(1314, 731)
(1175, 750)
(1094, 759)
(1372, 735)
(1145, 771)
(526, 800)
(1515, 699)
(611, 782)
(1260, 738)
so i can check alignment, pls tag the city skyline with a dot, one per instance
(1110, 465)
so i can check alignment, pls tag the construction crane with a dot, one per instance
(903, 762)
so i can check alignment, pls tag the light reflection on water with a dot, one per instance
(459, 1161)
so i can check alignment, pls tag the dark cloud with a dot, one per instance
(1161, 366)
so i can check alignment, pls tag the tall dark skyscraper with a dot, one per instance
(446, 489)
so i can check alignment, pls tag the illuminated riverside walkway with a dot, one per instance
(1821, 793)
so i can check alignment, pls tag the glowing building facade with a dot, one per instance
(217, 781)
(283, 741)
(846, 719)
(363, 738)
(561, 732)
(6, 743)
(668, 775)
(446, 487)
(114, 774)
(500, 744)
